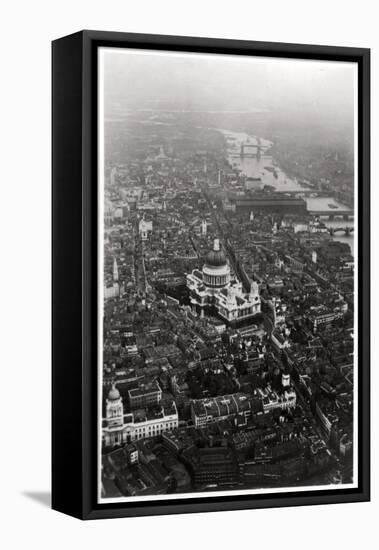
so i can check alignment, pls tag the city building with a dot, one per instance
(278, 308)
(145, 228)
(146, 395)
(272, 400)
(286, 379)
(207, 411)
(213, 466)
(324, 317)
(273, 203)
(119, 428)
(279, 340)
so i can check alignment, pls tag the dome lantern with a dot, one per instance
(113, 394)
(216, 270)
(216, 257)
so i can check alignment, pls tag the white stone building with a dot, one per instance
(119, 428)
(145, 228)
(213, 288)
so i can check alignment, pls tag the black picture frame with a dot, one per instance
(74, 294)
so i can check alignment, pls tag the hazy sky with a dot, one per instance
(193, 81)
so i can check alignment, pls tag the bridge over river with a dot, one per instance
(347, 230)
(345, 214)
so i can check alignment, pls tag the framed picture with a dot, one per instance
(210, 275)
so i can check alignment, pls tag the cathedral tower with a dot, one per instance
(115, 271)
(114, 408)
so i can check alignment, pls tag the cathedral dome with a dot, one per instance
(216, 257)
(114, 394)
(216, 270)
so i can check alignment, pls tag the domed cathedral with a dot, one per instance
(216, 270)
(213, 291)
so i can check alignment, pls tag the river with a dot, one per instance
(264, 166)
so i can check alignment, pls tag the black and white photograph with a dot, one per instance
(228, 277)
(189, 225)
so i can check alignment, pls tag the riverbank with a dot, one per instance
(265, 168)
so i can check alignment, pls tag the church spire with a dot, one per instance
(115, 270)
